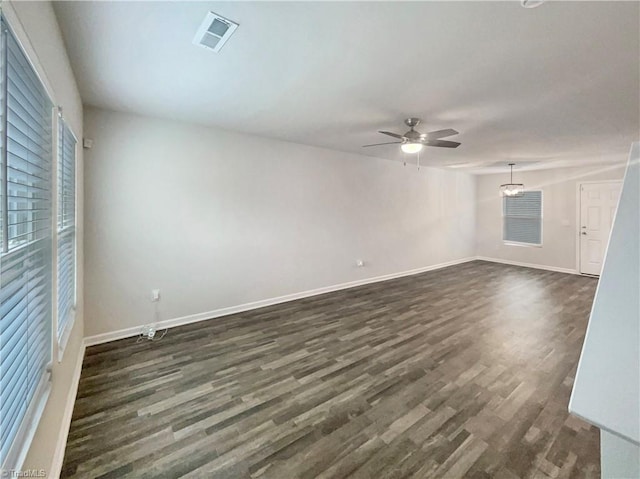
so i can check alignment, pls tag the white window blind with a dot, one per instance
(25, 250)
(66, 226)
(522, 218)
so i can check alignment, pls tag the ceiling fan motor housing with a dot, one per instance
(412, 135)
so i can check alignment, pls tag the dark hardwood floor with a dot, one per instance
(460, 372)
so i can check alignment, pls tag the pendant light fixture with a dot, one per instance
(512, 189)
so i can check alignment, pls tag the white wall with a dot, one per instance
(217, 219)
(620, 459)
(35, 25)
(560, 206)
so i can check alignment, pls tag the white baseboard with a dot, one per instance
(172, 323)
(527, 265)
(58, 456)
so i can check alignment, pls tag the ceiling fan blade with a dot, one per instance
(434, 135)
(443, 143)
(395, 135)
(380, 144)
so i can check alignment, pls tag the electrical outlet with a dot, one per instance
(155, 295)
(148, 331)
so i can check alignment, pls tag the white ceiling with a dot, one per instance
(558, 85)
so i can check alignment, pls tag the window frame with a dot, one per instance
(22, 440)
(522, 243)
(62, 337)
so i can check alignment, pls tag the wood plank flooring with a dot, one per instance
(460, 372)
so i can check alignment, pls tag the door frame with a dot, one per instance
(578, 220)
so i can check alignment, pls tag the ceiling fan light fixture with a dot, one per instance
(413, 141)
(411, 147)
(512, 189)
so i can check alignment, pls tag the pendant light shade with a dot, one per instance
(512, 189)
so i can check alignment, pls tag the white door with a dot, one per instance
(598, 203)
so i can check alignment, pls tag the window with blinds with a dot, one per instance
(522, 219)
(66, 227)
(25, 249)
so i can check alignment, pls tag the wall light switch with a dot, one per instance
(359, 263)
(155, 295)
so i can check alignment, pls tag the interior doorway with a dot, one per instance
(598, 203)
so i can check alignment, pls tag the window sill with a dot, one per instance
(515, 243)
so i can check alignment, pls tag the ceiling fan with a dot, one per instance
(413, 141)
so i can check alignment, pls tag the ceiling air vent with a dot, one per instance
(214, 32)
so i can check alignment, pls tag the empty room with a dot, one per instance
(320, 239)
